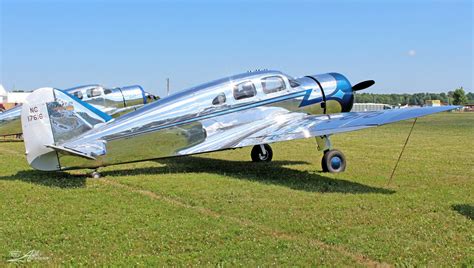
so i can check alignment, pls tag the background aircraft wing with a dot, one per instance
(289, 126)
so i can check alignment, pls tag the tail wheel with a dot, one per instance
(96, 175)
(333, 161)
(260, 154)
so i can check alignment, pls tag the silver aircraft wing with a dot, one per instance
(290, 126)
(277, 124)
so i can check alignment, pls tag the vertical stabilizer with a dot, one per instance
(51, 116)
(3, 92)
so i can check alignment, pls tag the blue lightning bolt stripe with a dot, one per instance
(306, 101)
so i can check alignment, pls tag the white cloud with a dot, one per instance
(411, 52)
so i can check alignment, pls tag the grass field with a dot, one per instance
(220, 209)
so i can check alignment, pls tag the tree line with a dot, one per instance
(456, 97)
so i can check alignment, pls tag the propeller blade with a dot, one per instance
(363, 85)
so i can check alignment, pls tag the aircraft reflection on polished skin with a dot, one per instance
(250, 109)
(112, 101)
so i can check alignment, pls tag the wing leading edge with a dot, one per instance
(311, 126)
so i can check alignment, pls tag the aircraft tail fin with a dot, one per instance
(50, 117)
(3, 92)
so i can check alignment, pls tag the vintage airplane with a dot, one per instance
(252, 109)
(112, 101)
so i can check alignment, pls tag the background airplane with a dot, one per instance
(112, 101)
(250, 109)
(3, 92)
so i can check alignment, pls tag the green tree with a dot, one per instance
(443, 97)
(459, 97)
(411, 99)
(470, 97)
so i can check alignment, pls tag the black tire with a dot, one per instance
(324, 166)
(258, 156)
(334, 161)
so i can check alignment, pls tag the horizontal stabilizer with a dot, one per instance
(71, 151)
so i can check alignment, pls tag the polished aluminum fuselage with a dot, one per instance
(114, 102)
(10, 121)
(181, 123)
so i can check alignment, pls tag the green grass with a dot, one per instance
(221, 209)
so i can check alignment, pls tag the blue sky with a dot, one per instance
(406, 46)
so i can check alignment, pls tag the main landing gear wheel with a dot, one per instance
(333, 161)
(262, 153)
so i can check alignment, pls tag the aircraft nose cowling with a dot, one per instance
(337, 91)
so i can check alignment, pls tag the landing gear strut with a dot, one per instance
(262, 153)
(333, 160)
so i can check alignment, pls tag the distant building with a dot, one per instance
(432, 103)
(367, 107)
(12, 98)
(469, 107)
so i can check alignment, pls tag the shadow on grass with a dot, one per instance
(268, 173)
(465, 210)
(51, 179)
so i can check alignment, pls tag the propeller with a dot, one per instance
(363, 85)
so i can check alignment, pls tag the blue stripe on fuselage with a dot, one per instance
(88, 106)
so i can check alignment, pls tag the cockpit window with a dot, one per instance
(78, 95)
(244, 90)
(273, 84)
(107, 91)
(94, 92)
(294, 83)
(220, 99)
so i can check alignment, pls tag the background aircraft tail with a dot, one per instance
(3, 92)
(51, 116)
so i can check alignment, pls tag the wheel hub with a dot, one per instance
(336, 162)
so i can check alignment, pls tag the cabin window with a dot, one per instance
(244, 90)
(273, 84)
(78, 95)
(220, 99)
(94, 92)
(107, 91)
(294, 83)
